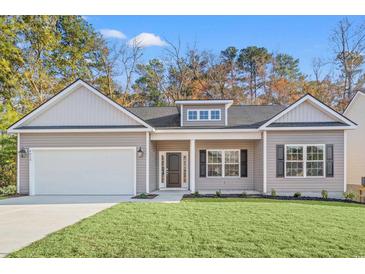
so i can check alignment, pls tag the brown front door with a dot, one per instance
(173, 169)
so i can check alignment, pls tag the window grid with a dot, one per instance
(223, 163)
(204, 115)
(305, 161)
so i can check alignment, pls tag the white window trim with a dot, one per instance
(223, 163)
(305, 161)
(184, 184)
(198, 115)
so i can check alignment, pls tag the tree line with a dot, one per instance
(40, 55)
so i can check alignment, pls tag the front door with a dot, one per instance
(173, 169)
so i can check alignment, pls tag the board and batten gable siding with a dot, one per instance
(258, 164)
(219, 183)
(305, 112)
(306, 185)
(198, 123)
(356, 141)
(111, 139)
(81, 107)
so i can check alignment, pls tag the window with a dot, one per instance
(215, 164)
(204, 115)
(223, 163)
(215, 114)
(231, 163)
(192, 115)
(304, 161)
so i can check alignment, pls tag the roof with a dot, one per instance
(239, 116)
(205, 102)
(309, 124)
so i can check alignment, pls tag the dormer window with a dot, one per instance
(204, 115)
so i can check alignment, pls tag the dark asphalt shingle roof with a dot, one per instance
(81, 127)
(239, 116)
(308, 124)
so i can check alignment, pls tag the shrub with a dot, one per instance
(349, 195)
(324, 194)
(244, 195)
(273, 192)
(8, 190)
(297, 194)
(196, 193)
(218, 193)
(142, 196)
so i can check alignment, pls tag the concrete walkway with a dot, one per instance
(24, 220)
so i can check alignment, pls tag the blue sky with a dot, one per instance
(304, 37)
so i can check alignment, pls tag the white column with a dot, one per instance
(18, 165)
(147, 162)
(192, 165)
(344, 161)
(265, 161)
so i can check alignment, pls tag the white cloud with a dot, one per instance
(113, 33)
(145, 39)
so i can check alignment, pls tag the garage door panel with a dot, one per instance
(83, 171)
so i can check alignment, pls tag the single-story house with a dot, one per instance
(80, 142)
(356, 140)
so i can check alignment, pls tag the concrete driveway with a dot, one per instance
(24, 220)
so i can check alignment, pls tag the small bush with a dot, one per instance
(244, 195)
(196, 193)
(218, 193)
(8, 190)
(142, 196)
(349, 195)
(324, 194)
(297, 194)
(273, 192)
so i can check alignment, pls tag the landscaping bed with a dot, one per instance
(145, 196)
(284, 198)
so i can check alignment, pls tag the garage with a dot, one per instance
(82, 171)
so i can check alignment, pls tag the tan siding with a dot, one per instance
(305, 112)
(355, 141)
(225, 183)
(82, 107)
(258, 177)
(203, 123)
(30, 140)
(303, 185)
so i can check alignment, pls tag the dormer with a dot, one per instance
(203, 113)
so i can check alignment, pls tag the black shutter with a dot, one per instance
(280, 159)
(329, 161)
(202, 163)
(243, 162)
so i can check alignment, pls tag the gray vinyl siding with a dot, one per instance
(30, 140)
(258, 163)
(213, 184)
(81, 107)
(153, 166)
(305, 112)
(187, 123)
(306, 185)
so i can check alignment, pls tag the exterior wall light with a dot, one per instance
(140, 153)
(23, 152)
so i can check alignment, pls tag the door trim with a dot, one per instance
(179, 169)
(162, 178)
(31, 162)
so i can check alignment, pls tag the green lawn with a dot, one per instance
(212, 228)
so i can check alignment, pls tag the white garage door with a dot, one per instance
(82, 171)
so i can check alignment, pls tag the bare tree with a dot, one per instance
(349, 46)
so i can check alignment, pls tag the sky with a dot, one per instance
(303, 37)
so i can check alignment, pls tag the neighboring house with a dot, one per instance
(356, 140)
(82, 142)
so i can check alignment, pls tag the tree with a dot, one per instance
(252, 61)
(286, 66)
(349, 45)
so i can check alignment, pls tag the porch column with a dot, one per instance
(192, 165)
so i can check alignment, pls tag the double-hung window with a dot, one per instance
(192, 115)
(304, 160)
(215, 114)
(223, 163)
(204, 114)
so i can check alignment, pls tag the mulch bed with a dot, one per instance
(303, 198)
(145, 196)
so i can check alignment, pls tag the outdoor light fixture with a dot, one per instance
(140, 152)
(23, 152)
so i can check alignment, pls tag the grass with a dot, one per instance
(212, 228)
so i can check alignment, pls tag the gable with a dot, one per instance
(306, 112)
(356, 109)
